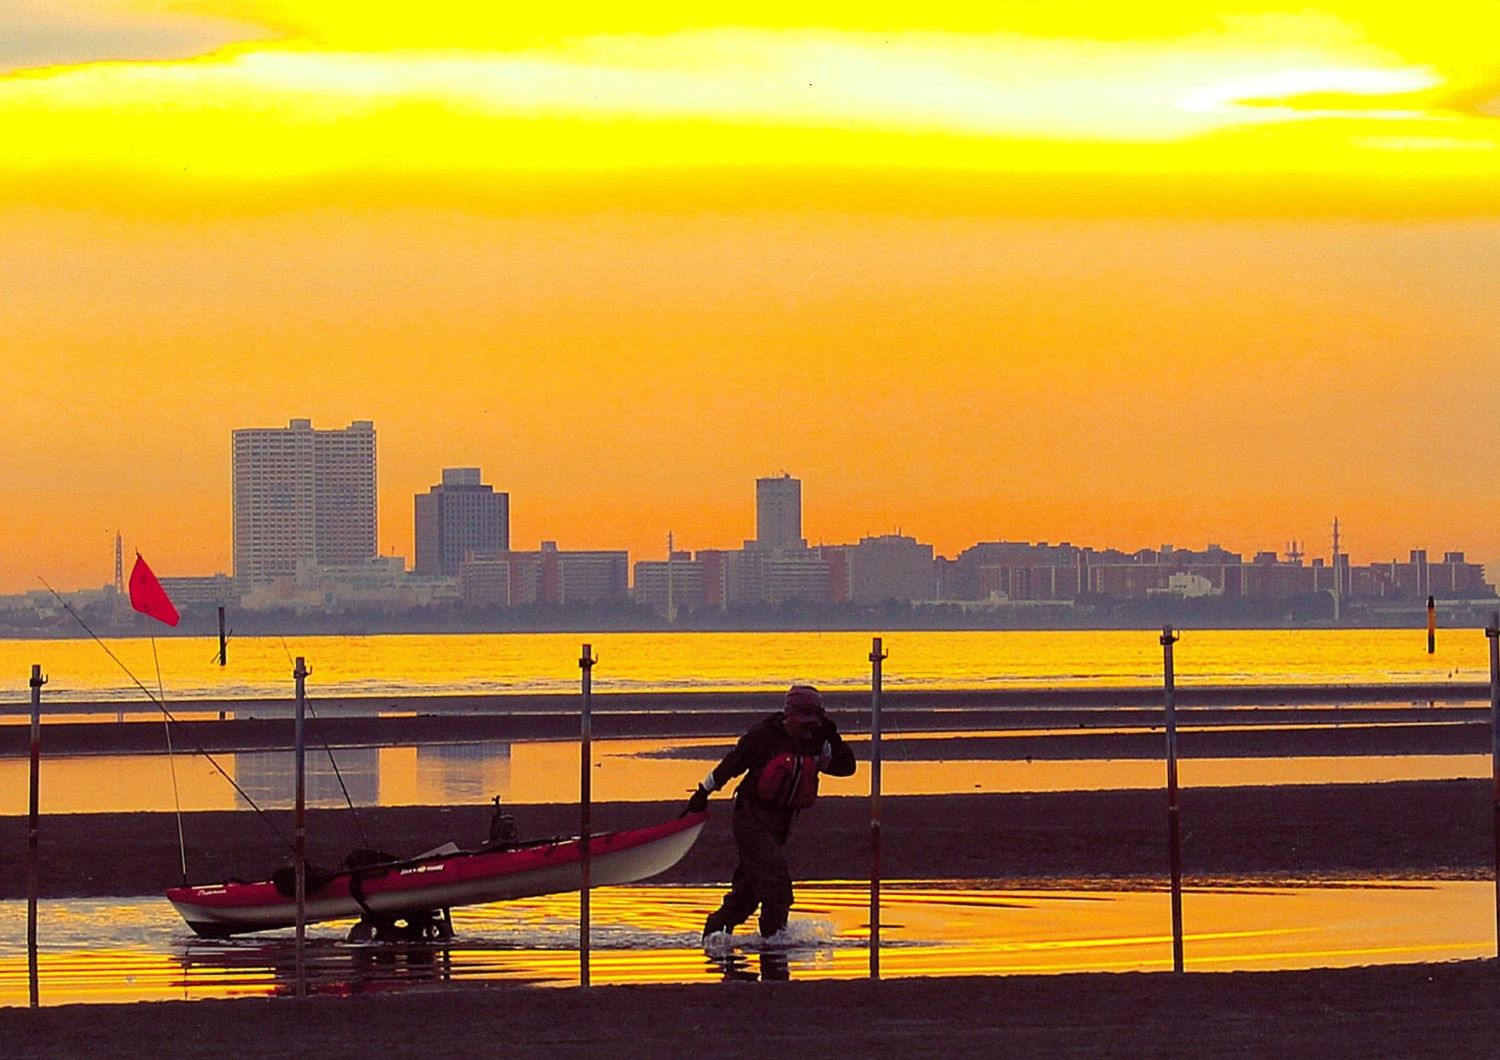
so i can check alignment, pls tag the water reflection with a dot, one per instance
(405, 664)
(269, 777)
(464, 772)
(429, 774)
(759, 967)
(629, 771)
(114, 950)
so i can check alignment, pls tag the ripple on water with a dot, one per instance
(137, 949)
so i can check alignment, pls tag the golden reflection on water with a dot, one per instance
(631, 771)
(377, 665)
(645, 934)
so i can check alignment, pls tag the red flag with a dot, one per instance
(147, 596)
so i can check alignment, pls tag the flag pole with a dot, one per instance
(166, 725)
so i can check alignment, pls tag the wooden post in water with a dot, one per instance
(877, 656)
(1492, 631)
(1431, 625)
(223, 641)
(300, 823)
(1174, 822)
(586, 663)
(33, 831)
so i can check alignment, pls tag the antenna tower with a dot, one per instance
(119, 563)
(1338, 574)
(671, 603)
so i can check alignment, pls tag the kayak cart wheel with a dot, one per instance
(432, 925)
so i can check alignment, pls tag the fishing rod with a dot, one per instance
(170, 717)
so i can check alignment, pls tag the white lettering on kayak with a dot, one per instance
(421, 868)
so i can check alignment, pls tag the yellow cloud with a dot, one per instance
(1441, 27)
(1244, 95)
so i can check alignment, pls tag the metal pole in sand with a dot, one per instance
(32, 831)
(876, 657)
(1492, 631)
(1174, 822)
(300, 823)
(223, 640)
(1431, 625)
(586, 663)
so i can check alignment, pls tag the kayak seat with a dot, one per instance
(285, 879)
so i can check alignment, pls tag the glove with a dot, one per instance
(827, 734)
(698, 803)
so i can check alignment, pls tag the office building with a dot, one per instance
(302, 495)
(547, 576)
(890, 567)
(670, 587)
(459, 516)
(778, 514)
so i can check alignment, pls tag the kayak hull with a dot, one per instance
(434, 882)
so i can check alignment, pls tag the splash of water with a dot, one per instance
(801, 933)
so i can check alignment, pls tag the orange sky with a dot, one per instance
(1220, 275)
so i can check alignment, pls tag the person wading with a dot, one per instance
(781, 758)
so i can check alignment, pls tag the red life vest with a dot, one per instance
(789, 781)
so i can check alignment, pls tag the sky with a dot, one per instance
(1118, 275)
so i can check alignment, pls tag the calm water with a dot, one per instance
(625, 771)
(548, 662)
(138, 950)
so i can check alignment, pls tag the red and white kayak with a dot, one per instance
(441, 881)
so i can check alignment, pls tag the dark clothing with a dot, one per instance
(761, 878)
(761, 828)
(769, 738)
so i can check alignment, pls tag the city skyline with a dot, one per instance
(283, 459)
(1200, 272)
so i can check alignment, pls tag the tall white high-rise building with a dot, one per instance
(302, 495)
(778, 513)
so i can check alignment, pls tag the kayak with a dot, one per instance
(439, 880)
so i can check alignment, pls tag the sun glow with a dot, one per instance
(729, 96)
(1231, 247)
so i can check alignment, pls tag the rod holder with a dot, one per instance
(1174, 815)
(1492, 633)
(33, 834)
(877, 656)
(586, 663)
(299, 676)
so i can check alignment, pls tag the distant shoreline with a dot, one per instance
(1043, 619)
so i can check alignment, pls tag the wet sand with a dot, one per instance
(1432, 829)
(1441, 1010)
